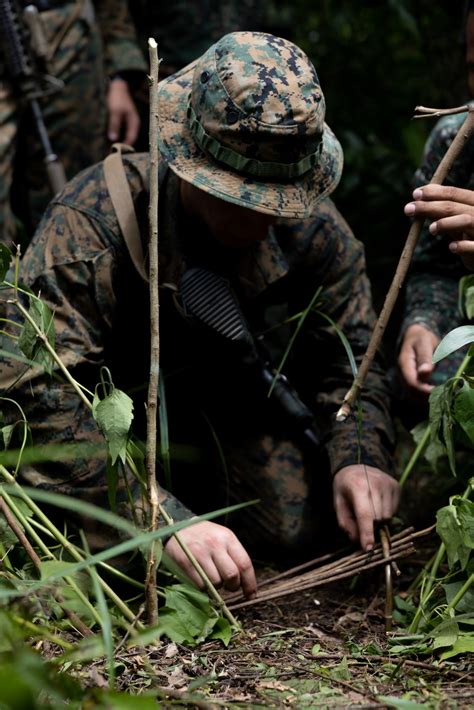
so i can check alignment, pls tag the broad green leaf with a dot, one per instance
(457, 338)
(465, 512)
(445, 636)
(434, 451)
(114, 415)
(464, 410)
(7, 432)
(441, 419)
(187, 615)
(466, 295)
(222, 631)
(451, 533)
(464, 644)
(29, 342)
(5, 260)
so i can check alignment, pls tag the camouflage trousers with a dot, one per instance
(290, 485)
(294, 514)
(75, 118)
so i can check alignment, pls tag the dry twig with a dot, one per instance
(152, 400)
(350, 565)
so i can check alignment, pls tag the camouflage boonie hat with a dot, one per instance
(245, 123)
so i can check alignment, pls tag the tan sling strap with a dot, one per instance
(119, 191)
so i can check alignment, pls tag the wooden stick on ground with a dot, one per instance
(441, 172)
(401, 545)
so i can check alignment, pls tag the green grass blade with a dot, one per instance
(344, 341)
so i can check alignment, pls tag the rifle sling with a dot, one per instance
(119, 191)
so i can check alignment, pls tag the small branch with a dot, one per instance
(401, 546)
(151, 598)
(438, 178)
(22, 539)
(437, 112)
(385, 541)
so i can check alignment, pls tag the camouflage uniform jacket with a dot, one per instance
(432, 287)
(79, 262)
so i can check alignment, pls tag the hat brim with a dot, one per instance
(293, 199)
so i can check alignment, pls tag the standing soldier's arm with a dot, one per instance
(123, 62)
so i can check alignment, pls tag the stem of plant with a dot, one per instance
(438, 178)
(46, 551)
(457, 598)
(119, 603)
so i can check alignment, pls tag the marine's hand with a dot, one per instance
(362, 495)
(219, 553)
(451, 210)
(124, 121)
(415, 358)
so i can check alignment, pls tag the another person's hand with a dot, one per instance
(123, 121)
(219, 553)
(415, 358)
(363, 495)
(451, 210)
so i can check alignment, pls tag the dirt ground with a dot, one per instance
(323, 648)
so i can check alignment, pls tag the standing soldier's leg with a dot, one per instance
(8, 133)
(76, 115)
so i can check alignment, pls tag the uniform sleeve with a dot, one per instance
(335, 262)
(431, 296)
(121, 50)
(76, 277)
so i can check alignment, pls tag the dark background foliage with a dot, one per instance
(376, 61)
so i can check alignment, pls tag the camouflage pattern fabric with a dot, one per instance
(432, 287)
(212, 118)
(79, 262)
(75, 116)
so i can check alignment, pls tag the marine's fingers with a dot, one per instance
(444, 192)
(248, 580)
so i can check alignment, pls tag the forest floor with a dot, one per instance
(324, 648)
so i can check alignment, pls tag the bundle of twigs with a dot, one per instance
(320, 571)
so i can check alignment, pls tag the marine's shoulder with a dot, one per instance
(89, 192)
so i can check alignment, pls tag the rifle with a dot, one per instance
(31, 85)
(208, 300)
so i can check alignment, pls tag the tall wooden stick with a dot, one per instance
(152, 401)
(438, 178)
